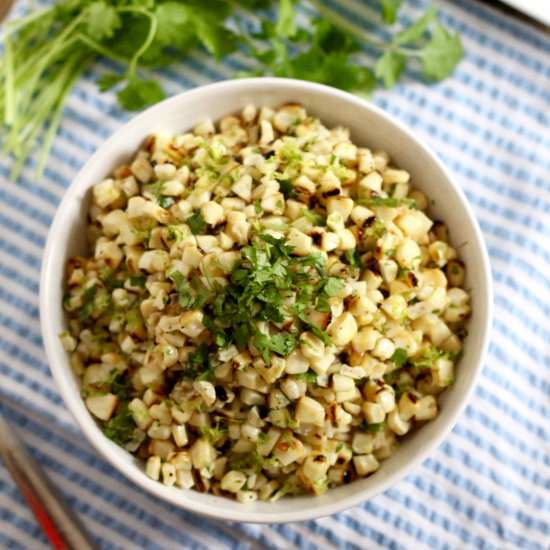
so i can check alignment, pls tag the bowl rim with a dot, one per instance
(243, 513)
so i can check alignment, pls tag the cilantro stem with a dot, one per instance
(56, 118)
(97, 47)
(10, 104)
(148, 40)
(13, 26)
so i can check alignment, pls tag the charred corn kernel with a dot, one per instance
(415, 224)
(426, 408)
(204, 128)
(233, 481)
(191, 323)
(383, 349)
(102, 406)
(311, 347)
(106, 193)
(408, 253)
(363, 443)
(290, 388)
(212, 212)
(343, 329)
(455, 273)
(395, 306)
(206, 391)
(374, 413)
(159, 431)
(154, 261)
(179, 434)
(267, 135)
(310, 411)
(371, 182)
(184, 479)
(168, 474)
(397, 424)
(202, 453)
(237, 227)
(393, 176)
(243, 187)
(365, 464)
(342, 383)
(152, 467)
(408, 405)
(288, 449)
(296, 363)
(247, 496)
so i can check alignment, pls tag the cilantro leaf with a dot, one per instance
(139, 94)
(399, 357)
(389, 10)
(286, 24)
(196, 223)
(109, 80)
(102, 20)
(389, 67)
(281, 343)
(218, 40)
(309, 377)
(174, 26)
(330, 38)
(417, 29)
(183, 288)
(442, 53)
(333, 286)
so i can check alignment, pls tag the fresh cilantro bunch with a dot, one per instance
(46, 51)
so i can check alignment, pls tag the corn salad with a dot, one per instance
(267, 310)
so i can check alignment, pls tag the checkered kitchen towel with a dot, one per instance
(488, 485)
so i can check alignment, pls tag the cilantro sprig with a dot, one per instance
(46, 51)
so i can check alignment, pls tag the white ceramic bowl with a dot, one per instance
(369, 126)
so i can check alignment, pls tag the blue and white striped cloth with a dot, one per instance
(488, 485)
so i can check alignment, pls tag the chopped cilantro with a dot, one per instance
(374, 427)
(88, 298)
(213, 434)
(390, 202)
(427, 358)
(309, 377)
(314, 217)
(258, 285)
(399, 357)
(165, 202)
(110, 279)
(287, 189)
(353, 258)
(121, 427)
(138, 281)
(196, 223)
(120, 384)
